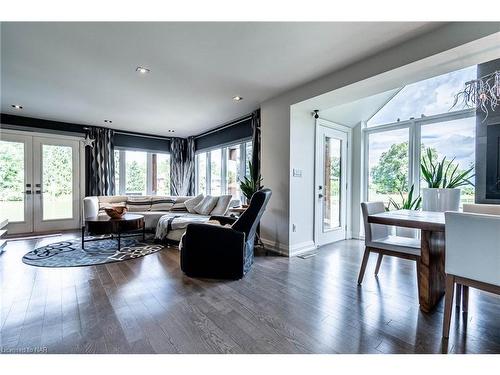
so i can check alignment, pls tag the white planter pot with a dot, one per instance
(440, 200)
(406, 232)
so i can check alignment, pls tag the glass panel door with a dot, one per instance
(332, 176)
(56, 189)
(331, 189)
(15, 182)
(57, 182)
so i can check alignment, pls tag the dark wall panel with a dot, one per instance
(143, 143)
(229, 134)
(36, 124)
(131, 140)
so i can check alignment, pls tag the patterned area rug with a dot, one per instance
(70, 253)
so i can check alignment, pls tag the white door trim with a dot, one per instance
(347, 180)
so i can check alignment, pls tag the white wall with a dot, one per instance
(275, 161)
(302, 157)
(288, 135)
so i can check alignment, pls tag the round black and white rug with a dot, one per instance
(70, 253)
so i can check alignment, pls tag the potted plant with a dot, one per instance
(443, 182)
(407, 203)
(249, 185)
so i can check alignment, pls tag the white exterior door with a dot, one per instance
(16, 185)
(331, 174)
(40, 189)
(57, 187)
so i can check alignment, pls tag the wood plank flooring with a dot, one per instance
(283, 305)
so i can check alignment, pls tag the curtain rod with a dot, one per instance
(232, 123)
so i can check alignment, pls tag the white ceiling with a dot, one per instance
(352, 113)
(85, 72)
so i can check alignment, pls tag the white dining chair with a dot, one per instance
(462, 292)
(487, 209)
(379, 240)
(472, 257)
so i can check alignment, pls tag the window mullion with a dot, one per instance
(223, 172)
(123, 173)
(209, 174)
(149, 174)
(416, 155)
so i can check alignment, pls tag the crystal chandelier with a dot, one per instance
(482, 93)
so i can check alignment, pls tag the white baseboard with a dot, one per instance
(279, 248)
(288, 251)
(302, 248)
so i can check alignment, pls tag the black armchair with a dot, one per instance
(223, 252)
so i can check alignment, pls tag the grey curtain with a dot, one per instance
(256, 139)
(182, 166)
(99, 160)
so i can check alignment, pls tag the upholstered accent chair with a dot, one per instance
(223, 252)
(472, 257)
(379, 240)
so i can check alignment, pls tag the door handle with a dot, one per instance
(38, 192)
(320, 195)
(28, 192)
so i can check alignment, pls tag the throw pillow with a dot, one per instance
(139, 204)
(162, 203)
(179, 207)
(222, 205)
(191, 203)
(206, 205)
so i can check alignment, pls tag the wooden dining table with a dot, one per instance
(432, 244)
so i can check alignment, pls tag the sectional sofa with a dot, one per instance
(155, 207)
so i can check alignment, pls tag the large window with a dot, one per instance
(453, 139)
(141, 172)
(219, 170)
(416, 118)
(388, 163)
(429, 97)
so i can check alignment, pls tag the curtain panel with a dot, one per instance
(256, 144)
(182, 167)
(99, 161)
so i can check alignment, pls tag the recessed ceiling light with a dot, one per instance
(142, 70)
(237, 98)
(108, 121)
(16, 106)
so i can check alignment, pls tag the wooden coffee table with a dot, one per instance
(128, 224)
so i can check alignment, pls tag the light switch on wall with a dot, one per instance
(297, 172)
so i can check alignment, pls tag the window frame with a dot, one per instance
(414, 143)
(223, 147)
(121, 189)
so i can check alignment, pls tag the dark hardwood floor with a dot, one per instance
(283, 305)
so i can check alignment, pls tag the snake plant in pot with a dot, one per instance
(444, 180)
(249, 185)
(407, 203)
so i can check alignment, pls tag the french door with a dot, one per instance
(331, 174)
(39, 188)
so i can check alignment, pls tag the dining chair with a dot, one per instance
(472, 257)
(379, 240)
(462, 291)
(487, 209)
